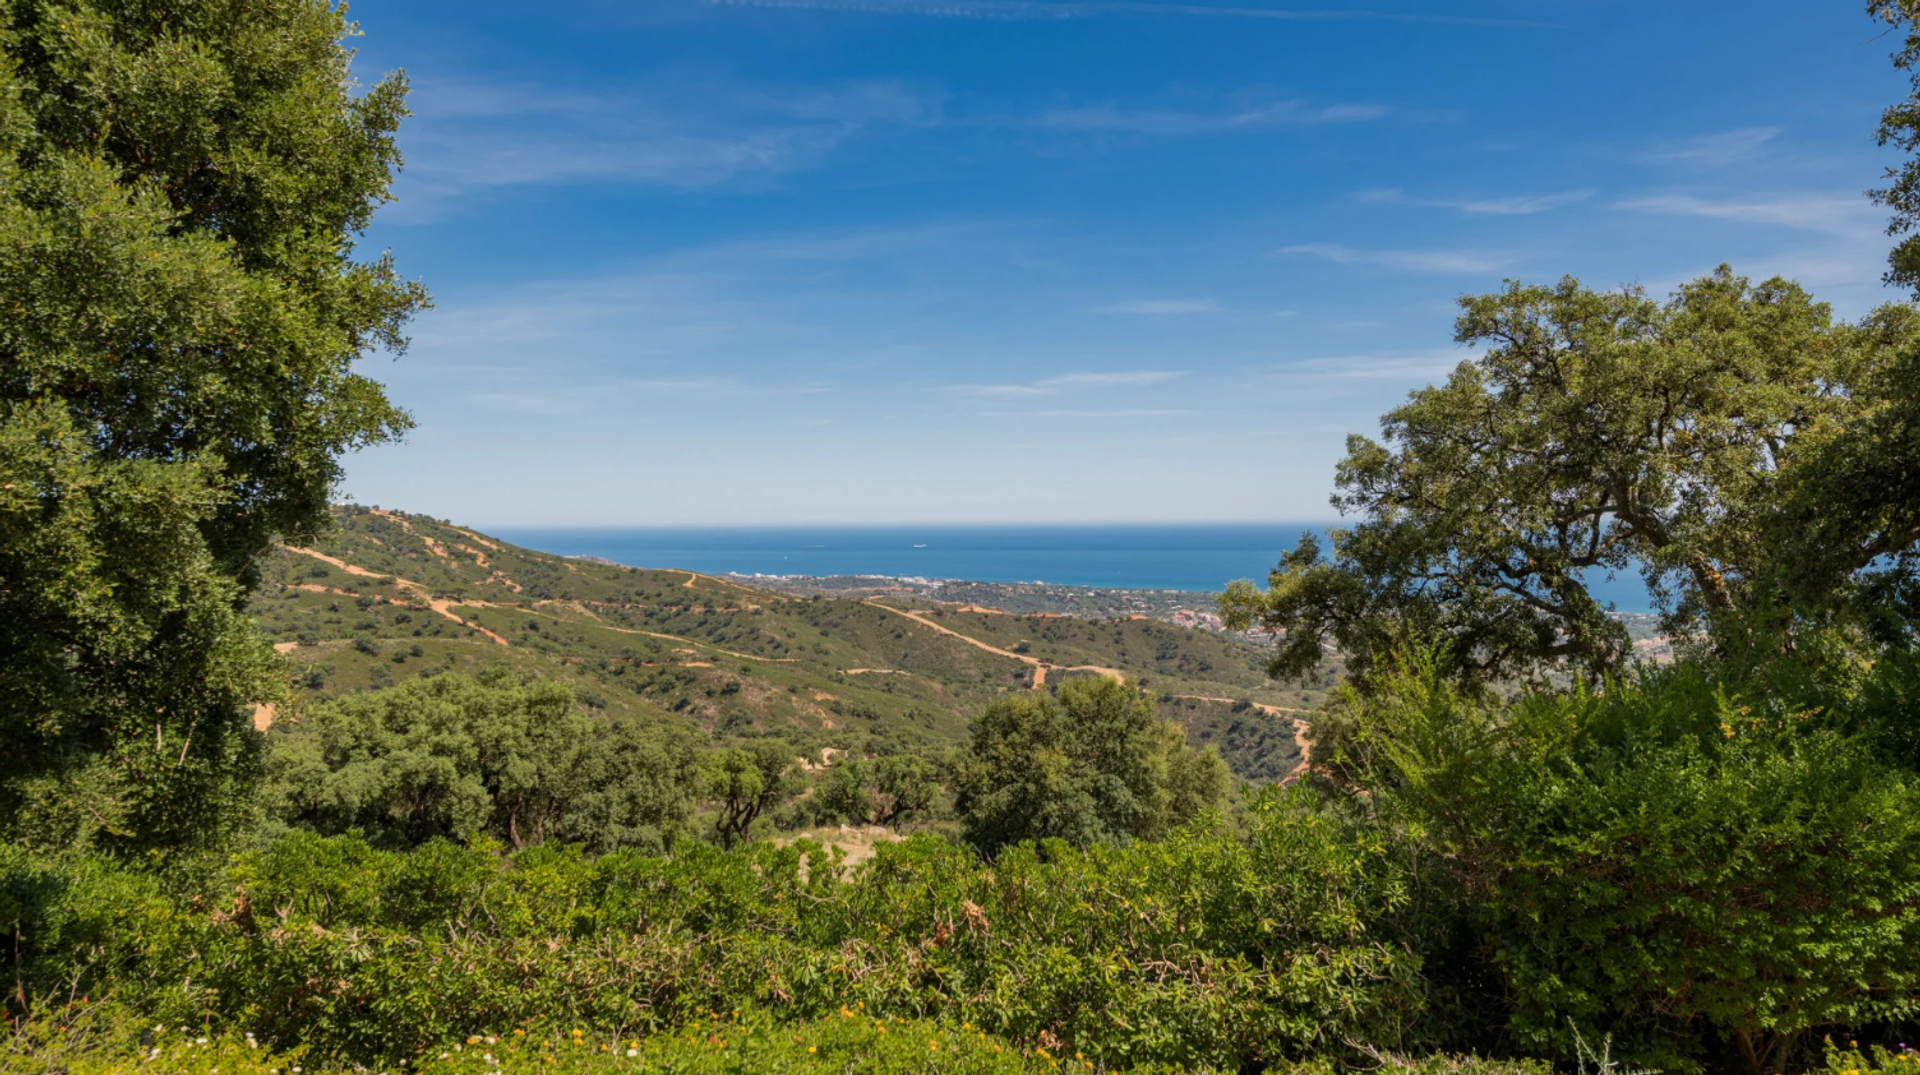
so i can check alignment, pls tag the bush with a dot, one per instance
(1091, 763)
(751, 1042)
(1704, 873)
(454, 756)
(1199, 951)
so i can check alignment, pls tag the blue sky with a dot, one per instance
(853, 261)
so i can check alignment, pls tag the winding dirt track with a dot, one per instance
(605, 626)
(439, 605)
(1040, 667)
(1291, 716)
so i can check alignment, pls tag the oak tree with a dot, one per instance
(181, 189)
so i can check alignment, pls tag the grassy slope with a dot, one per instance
(410, 595)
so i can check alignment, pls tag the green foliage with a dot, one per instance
(746, 782)
(1703, 871)
(1201, 951)
(1874, 1060)
(890, 790)
(182, 185)
(453, 756)
(751, 1042)
(1697, 441)
(1089, 763)
(1900, 127)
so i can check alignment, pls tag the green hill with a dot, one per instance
(389, 596)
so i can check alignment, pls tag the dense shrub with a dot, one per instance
(455, 756)
(1709, 874)
(733, 1043)
(1090, 762)
(1201, 950)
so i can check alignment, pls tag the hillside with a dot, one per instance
(389, 596)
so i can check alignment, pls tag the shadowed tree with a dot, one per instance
(181, 185)
(1697, 442)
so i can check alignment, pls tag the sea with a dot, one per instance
(1200, 557)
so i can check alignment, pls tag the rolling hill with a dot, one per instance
(388, 596)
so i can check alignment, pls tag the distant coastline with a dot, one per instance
(1193, 560)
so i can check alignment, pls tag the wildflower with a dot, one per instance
(812, 1049)
(199, 1041)
(518, 1033)
(633, 1052)
(473, 1041)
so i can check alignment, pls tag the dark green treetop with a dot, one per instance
(1694, 441)
(1090, 763)
(181, 185)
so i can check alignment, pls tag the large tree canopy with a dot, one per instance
(1730, 444)
(1088, 763)
(180, 188)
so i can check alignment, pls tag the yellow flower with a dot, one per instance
(812, 1049)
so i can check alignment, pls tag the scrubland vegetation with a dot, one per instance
(490, 810)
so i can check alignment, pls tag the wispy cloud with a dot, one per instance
(1084, 414)
(474, 135)
(1113, 119)
(1050, 385)
(1426, 365)
(1711, 150)
(1455, 262)
(666, 386)
(1042, 10)
(1830, 214)
(1162, 307)
(1512, 205)
(534, 403)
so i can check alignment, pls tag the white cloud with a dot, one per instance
(1050, 385)
(1830, 214)
(475, 135)
(1453, 262)
(1159, 307)
(1711, 150)
(1112, 119)
(1513, 205)
(1084, 414)
(526, 403)
(1058, 10)
(1426, 366)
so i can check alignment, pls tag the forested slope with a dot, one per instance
(390, 596)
